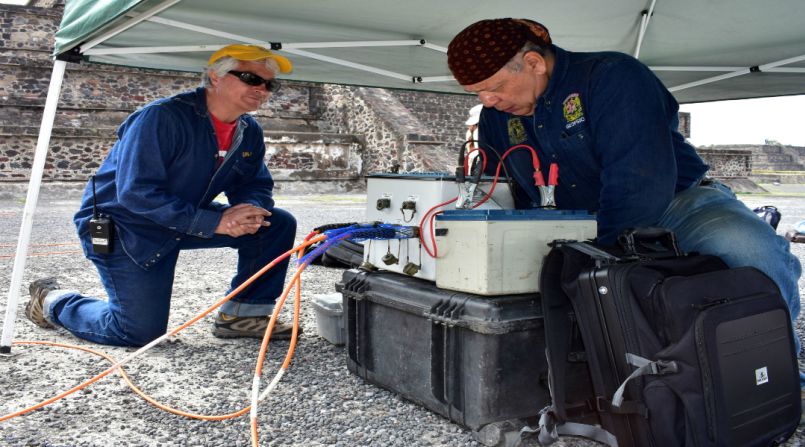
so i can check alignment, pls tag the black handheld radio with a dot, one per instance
(100, 228)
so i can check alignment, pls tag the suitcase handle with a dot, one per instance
(653, 242)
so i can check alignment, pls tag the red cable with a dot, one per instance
(433, 236)
(534, 161)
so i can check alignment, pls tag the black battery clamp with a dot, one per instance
(100, 228)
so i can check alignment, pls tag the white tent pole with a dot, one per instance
(692, 68)
(203, 30)
(126, 25)
(290, 49)
(436, 79)
(195, 48)
(353, 44)
(704, 68)
(226, 35)
(344, 63)
(709, 80)
(438, 48)
(643, 26)
(761, 68)
(40, 156)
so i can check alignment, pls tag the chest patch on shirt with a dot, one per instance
(572, 110)
(246, 154)
(516, 131)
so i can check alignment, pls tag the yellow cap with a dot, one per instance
(244, 52)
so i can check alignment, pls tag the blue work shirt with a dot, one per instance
(159, 180)
(612, 128)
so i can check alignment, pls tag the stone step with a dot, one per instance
(26, 120)
(307, 124)
(771, 158)
(787, 177)
(778, 166)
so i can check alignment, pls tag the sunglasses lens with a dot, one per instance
(272, 85)
(251, 79)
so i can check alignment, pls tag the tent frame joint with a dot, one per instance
(72, 55)
(754, 69)
(276, 46)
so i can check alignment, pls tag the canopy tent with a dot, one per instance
(703, 50)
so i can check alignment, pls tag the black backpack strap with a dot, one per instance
(556, 308)
(561, 267)
(565, 261)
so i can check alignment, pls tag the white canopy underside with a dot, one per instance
(703, 50)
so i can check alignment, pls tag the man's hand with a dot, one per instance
(241, 219)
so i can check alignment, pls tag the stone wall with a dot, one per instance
(316, 133)
(734, 163)
(770, 162)
(95, 99)
(395, 137)
(445, 114)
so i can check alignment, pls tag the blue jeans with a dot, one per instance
(710, 220)
(139, 300)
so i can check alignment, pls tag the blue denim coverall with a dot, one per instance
(158, 184)
(611, 126)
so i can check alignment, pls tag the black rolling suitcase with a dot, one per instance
(681, 350)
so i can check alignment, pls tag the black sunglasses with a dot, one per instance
(272, 85)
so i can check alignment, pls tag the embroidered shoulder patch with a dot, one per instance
(246, 154)
(516, 131)
(572, 110)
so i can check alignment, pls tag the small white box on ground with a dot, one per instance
(499, 252)
(330, 317)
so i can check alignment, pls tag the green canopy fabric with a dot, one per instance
(758, 47)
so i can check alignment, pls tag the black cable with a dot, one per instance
(509, 180)
(333, 226)
(94, 206)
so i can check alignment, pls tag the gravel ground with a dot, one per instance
(319, 402)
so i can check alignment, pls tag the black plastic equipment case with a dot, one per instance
(474, 359)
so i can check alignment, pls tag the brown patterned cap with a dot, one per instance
(484, 47)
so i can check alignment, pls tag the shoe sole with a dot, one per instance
(235, 334)
(36, 305)
(37, 319)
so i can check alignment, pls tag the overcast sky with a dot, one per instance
(748, 121)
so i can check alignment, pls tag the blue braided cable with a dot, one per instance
(318, 251)
(359, 233)
(380, 231)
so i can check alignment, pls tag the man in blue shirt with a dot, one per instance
(611, 127)
(173, 157)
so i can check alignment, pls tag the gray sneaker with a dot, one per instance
(34, 310)
(230, 326)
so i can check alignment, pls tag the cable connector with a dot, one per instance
(553, 175)
(539, 180)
